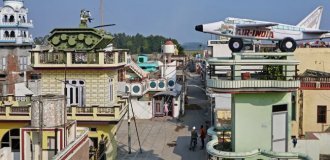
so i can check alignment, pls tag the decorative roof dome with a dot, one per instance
(16, 4)
(169, 42)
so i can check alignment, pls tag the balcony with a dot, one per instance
(12, 110)
(99, 59)
(252, 84)
(314, 83)
(15, 24)
(253, 72)
(96, 113)
(15, 40)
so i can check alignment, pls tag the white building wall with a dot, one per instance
(309, 147)
(142, 109)
(6, 154)
(223, 102)
(176, 107)
(170, 72)
(313, 147)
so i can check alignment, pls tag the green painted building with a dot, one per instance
(261, 87)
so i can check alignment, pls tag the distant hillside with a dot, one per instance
(191, 46)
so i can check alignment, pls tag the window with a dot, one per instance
(3, 64)
(12, 34)
(294, 110)
(6, 34)
(321, 114)
(75, 91)
(51, 143)
(121, 57)
(5, 18)
(11, 18)
(111, 89)
(121, 75)
(22, 63)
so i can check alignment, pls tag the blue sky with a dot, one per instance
(171, 18)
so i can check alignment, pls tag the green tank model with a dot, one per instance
(79, 39)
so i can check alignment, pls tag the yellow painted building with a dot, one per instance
(91, 89)
(312, 109)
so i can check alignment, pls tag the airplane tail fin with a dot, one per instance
(313, 20)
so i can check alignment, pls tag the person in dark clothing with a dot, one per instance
(294, 141)
(202, 135)
(194, 137)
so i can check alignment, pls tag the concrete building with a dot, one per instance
(23, 118)
(260, 105)
(155, 92)
(81, 66)
(15, 43)
(312, 102)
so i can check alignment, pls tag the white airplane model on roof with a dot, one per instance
(286, 35)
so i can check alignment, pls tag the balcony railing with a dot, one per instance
(20, 110)
(105, 110)
(15, 24)
(2, 110)
(9, 110)
(43, 58)
(315, 83)
(52, 58)
(84, 110)
(109, 58)
(74, 113)
(85, 58)
(241, 84)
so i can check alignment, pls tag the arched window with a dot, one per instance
(12, 34)
(24, 34)
(11, 139)
(5, 18)
(6, 34)
(11, 18)
(24, 20)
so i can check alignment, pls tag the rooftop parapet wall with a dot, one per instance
(265, 71)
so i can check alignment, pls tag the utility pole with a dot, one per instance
(137, 133)
(129, 126)
(40, 126)
(101, 12)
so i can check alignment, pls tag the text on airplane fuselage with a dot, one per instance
(255, 33)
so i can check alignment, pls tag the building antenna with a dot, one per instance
(101, 12)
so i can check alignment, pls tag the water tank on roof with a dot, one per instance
(48, 109)
(169, 47)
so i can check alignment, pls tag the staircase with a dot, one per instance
(134, 67)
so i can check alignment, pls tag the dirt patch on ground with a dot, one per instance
(179, 127)
(172, 144)
(193, 107)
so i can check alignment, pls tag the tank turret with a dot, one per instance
(79, 39)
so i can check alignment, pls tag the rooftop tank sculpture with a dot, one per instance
(79, 39)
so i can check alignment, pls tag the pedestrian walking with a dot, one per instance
(202, 135)
(166, 109)
(193, 139)
(294, 141)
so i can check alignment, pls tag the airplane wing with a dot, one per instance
(316, 31)
(258, 25)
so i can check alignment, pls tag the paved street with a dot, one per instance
(167, 138)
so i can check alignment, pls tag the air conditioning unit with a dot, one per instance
(127, 88)
(136, 89)
(171, 84)
(162, 85)
(153, 85)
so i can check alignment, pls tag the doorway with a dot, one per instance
(279, 128)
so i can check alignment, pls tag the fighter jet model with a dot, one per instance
(286, 35)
